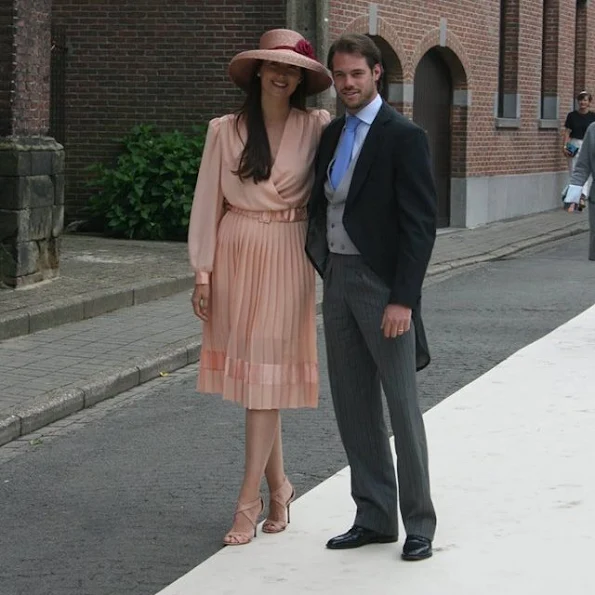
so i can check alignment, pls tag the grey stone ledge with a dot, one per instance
(508, 123)
(14, 325)
(149, 291)
(50, 407)
(30, 143)
(104, 302)
(10, 428)
(152, 366)
(44, 317)
(89, 305)
(548, 124)
(103, 387)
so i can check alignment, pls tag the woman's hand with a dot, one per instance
(566, 151)
(200, 301)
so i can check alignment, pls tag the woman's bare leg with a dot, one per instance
(261, 432)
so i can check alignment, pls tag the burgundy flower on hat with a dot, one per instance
(305, 48)
(302, 47)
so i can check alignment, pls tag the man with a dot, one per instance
(575, 126)
(372, 225)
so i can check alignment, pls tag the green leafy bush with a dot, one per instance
(148, 193)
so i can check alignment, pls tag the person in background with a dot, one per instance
(577, 122)
(255, 289)
(584, 168)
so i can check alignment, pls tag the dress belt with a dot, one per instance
(284, 216)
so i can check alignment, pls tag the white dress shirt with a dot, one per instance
(366, 115)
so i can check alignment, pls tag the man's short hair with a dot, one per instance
(355, 43)
(584, 95)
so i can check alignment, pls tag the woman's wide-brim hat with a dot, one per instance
(285, 46)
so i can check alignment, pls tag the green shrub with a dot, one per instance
(148, 193)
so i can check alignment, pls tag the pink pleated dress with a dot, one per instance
(247, 240)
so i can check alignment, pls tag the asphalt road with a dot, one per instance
(123, 498)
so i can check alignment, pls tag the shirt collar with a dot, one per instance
(370, 111)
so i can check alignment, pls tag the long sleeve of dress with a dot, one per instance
(207, 206)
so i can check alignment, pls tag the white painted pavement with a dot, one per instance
(512, 461)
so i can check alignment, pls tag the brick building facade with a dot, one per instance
(490, 81)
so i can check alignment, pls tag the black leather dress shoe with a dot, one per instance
(416, 548)
(356, 537)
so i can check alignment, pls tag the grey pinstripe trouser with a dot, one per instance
(360, 359)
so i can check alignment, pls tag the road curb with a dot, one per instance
(91, 305)
(505, 251)
(62, 402)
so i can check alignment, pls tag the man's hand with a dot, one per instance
(396, 320)
(566, 151)
(200, 301)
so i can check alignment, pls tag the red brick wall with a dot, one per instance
(6, 59)
(24, 67)
(473, 34)
(509, 48)
(550, 47)
(580, 57)
(147, 61)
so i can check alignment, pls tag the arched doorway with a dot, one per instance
(432, 110)
(391, 82)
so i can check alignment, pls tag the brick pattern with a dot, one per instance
(550, 45)
(6, 61)
(31, 75)
(473, 28)
(134, 62)
(509, 46)
(138, 61)
(580, 54)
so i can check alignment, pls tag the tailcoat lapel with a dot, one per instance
(368, 152)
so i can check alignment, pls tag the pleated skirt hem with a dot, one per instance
(258, 396)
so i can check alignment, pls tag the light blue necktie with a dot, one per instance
(344, 150)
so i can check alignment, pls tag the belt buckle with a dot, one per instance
(265, 217)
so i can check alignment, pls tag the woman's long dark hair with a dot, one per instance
(256, 160)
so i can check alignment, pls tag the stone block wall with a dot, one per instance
(31, 209)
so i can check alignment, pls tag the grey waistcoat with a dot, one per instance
(338, 240)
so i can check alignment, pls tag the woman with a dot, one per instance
(583, 170)
(254, 286)
(575, 127)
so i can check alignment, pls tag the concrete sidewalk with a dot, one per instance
(97, 275)
(94, 346)
(510, 455)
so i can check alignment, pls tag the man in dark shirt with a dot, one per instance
(577, 122)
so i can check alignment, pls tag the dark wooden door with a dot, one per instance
(432, 106)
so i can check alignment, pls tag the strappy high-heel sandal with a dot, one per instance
(279, 499)
(251, 510)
